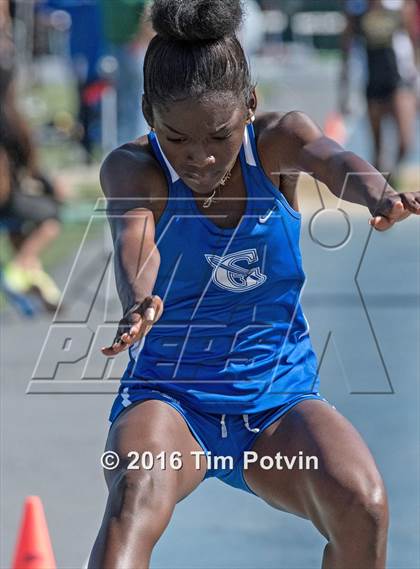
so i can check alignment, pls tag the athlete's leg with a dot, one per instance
(403, 108)
(141, 502)
(377, 110)
(345, 498)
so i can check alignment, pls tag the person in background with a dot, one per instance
(127, 33)
(86, 48)
(29, 202)
(6, 44)
(417, 33)
(386, 29)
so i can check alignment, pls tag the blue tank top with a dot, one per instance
(233, 337)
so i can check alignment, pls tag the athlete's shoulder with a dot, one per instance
(283, 135)
(295, 124)
(131, 170)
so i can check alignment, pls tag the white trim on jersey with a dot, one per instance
(249, 154)
(174, 175)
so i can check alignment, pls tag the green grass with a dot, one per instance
(89, 192)
(45, 101)
(54, 103)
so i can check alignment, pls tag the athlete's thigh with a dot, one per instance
(155, 427)
(342, 461)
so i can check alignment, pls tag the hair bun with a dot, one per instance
(196, 20)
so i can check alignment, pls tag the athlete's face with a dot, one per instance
(201, 140)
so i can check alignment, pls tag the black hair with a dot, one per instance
(196, 52)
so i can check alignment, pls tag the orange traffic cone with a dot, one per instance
(33, 547)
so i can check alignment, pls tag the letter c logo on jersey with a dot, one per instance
(228, 275)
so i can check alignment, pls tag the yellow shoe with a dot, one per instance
(44, 285)
(16, 279)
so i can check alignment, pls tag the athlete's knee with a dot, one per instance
(143, 489)
(141, 500)
(361, 511)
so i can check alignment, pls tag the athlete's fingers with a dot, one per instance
(115, 349)
(405, 215)
(381, 223)
(127, 338)
(110, 350)
(136, 328)
(120, 342)
(399, 212)
(147, 329)
(151, 314)
(396, 211)
(158, 304)
(141, 329)
(411, 201)
(147, 314)
(154, 308)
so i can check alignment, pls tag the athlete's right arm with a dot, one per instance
(126, 180)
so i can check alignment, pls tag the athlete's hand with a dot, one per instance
(394, 209)
(135, 324)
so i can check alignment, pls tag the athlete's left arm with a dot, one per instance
(304, 147)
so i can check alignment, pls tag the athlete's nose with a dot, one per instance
(199, 158)
(210, 160)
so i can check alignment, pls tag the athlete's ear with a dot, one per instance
(147, 111)
(252, 103)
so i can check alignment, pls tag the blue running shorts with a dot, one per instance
(220, 435)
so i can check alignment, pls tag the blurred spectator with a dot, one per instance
(6, 43)
(386, 29)
(417, 32)
(128, 33)
(86, 47)
(29, 204)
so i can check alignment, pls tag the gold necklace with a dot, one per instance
(224, 180)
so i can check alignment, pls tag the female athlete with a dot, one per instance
(209, 274)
